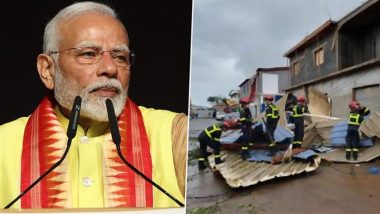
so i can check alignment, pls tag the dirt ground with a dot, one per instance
(332, 188)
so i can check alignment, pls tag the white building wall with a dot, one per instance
(340, 89)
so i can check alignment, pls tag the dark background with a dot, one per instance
(159, 33)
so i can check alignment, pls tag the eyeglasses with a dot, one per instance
(91, 55)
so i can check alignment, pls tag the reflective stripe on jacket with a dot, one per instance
(214, 132)
(273, 111)
(298, 111)
(354, 119)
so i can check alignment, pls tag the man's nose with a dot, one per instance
(107, 66)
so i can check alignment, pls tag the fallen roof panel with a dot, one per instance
(371, 126)
(318, 104)
(365, 154)
(240, 173)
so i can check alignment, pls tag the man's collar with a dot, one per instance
(93, 131)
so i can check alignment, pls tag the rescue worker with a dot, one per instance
(272, 116)
(211, 137)
(297, 118)
(356, 117)
(246, 126)
(364, 111)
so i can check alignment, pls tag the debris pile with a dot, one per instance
(324, 138)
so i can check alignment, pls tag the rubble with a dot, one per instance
(259, 168)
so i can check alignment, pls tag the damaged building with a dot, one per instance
(265, 81)
(338, 62)
(341, 60)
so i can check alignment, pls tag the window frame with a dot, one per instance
(319, 55)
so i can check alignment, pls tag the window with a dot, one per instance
(296, 68)
(319, 56)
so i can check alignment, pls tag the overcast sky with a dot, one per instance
(232, 38)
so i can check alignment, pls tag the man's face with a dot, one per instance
(96, 81)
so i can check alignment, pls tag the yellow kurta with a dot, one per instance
(85, 160)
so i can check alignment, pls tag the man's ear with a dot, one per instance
(46, 69)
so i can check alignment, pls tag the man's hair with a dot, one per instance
(52, 34)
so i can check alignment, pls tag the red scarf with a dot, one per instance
(45, 141)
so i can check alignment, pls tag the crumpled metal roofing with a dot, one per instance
(365, 154)
(240, 173)
(280, 134)
(338, 135)
(371, 126)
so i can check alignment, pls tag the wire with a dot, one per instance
(146, 178)
(209, 196)
(326, 9)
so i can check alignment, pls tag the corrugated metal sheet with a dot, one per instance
(318, 104)
(324, 128)
(281, 110)
(338, 136)
(365, 154)
(371, 126)
(280, 134)
(240, 173)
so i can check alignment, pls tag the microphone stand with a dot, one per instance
(42, 176)
(117, 139)
(145, 177)
(71, 132)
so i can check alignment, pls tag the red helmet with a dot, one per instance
(269, 98)
(301, 99)
(230, 123)
(354, 105)
(244, 100)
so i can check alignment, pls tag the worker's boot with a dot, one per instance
(201, 165)
(272, 152)
(348, 154)
(296, 144)
(272, 149)
(245, 154)
(218, 160)
(355, 154)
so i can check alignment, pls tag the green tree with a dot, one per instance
(215, 99)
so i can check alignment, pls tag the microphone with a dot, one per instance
(116, 139)
(74, 118)
(113, 122)
(71, 132)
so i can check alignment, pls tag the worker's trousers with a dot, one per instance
(271, 125)
(205, 141)
(352, 137)
(246, 130)
(298, 131)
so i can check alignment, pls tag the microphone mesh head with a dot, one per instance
(113, 122)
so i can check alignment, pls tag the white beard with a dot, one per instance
(93, 107)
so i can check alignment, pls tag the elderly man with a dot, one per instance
(86, 53)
